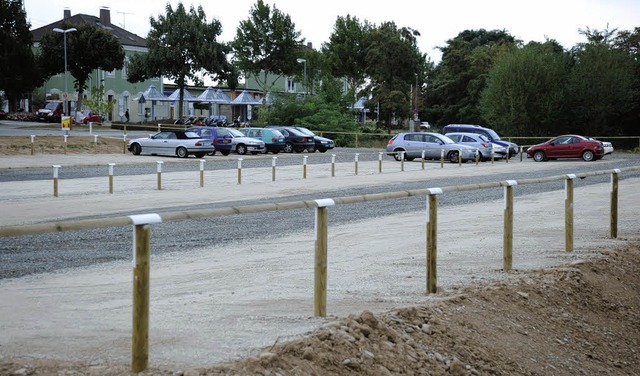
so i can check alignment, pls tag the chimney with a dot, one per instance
(67, 13)
(105, 16)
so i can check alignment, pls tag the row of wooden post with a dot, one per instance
(65, 138)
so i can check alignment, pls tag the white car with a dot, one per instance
(242, 144)
(178, 143)
(608, 146)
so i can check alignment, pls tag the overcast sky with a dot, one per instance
(437, 21)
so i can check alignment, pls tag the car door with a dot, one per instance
(560, 148)
(153, 145)
(433, 147)
(414, 144)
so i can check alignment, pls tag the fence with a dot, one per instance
(142, 225)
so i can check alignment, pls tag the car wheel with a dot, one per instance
(136, 149)
(226, 152)
(254, 153)
(538, 156)
(275, 151)
(288, 147)
(264, 151)
(200, 155)
(588, 156)
(397, 154)
(241, 149)
(322, 150)
(182, 152)
(312, 149)
(299, 150)
(211, 153)
(453, 156)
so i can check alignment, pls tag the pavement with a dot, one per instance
(214, 304)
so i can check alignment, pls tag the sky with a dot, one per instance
(437, 21)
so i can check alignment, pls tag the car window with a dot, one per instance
(413, 137)
(223, 132)
(563, 140)
(305, 131)
(172, 136)
(235, 133)
(454, 137)
(467, 139)
(207, 132)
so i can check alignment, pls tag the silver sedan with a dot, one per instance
(178, 143)
(434, 146)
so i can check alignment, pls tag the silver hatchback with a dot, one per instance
(434, 145)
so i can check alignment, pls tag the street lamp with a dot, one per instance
(301, 60)
(66, 89)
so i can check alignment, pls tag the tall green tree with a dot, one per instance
(526, 91)
(267, 43)
(393, 64)
(88, 48)
(181, 46)
(346, 51)
(456, 83)
(18, 72)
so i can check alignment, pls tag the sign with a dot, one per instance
(65, 95)
(66, 122)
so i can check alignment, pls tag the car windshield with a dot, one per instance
(51, 105)
(493, 134)
(295, 132)
(277, 133)
(445, 139)
(305, 131)
(483, 138)
(235, 133)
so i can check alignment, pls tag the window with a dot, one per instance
(291, 86)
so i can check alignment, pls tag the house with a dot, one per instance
(116, 86)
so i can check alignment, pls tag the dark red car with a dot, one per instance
(567, 146)
(88, 117)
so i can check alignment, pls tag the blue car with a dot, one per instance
(222, 142)
(273, 139)
(487, 132)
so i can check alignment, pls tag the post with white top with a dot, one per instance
(568, 213)
(507, 255)
(493, 155)
(65, 143)
(160, 175)
(55, 180)
(520, 153)
(432, 239)
(356, 161)
(239, 170)
(304, 167)
(477, 156)
(111, 177)
(321, 247)
(90, 127)
(613, 222)
(441, 158)
(124, 143)
(333, 165)
(402, 160)
(202, 173)
(459, 157)
(141, 260)
(273, 168)
(95, 143)
(423, 159)
(33, 145)
(380, 162)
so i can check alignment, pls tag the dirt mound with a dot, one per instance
(578, 319)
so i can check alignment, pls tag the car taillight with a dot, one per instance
(198, 143)
(484, 145)
(390, 142)
(273, 139)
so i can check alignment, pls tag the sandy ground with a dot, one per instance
(211, 305)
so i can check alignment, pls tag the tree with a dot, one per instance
(18, 71)
(89, 48)
(346, 51)
(182, 45)
(456, 83)
(393, 64)
(526, 91)
(97, 103)
(267, 43)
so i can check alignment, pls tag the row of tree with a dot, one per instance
(484, 77)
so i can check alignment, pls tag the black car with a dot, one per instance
(322, 144)
(294, 140)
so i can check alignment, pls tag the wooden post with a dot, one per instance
(402, 161)
(65, 143)
(95, 143)
(239, 170)
(333, 165)
(459, 157)
(493, 155)
(507, 256)
(520, 153)
(202, 173)
(477, 156)
(124, 143)
(55, 180)
(422, 160)
(33, 145)
(441, 158)
(321, 247)
(432, 239)
(304, 167)
(613, 222)
(380, 162)
(356, 161)
(140, 323)
(273, 168)
(159, 169)
(568, 213)
(356, 140)
(111, 177)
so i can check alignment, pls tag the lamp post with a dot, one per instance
(66, 89)
(301, 60)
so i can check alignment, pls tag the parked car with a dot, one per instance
(433, 144)
(273, 139)
(608, 146)
(322, 144)
(479, 142)
(178, 143)
(294, 140)
(567, 146)
(242, 144)
(52, 112)
(222, 141)
(487, 132)
(88, 117)
(3, 114)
